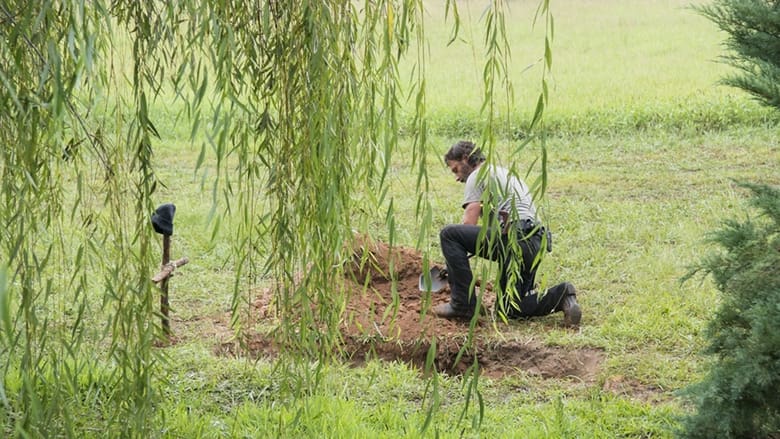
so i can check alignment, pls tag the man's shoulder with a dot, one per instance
(496, 173)
(475, 176)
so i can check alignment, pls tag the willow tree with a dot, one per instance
(300, 104)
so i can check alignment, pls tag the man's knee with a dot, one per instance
(447, 232)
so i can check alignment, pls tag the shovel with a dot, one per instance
(438, 278)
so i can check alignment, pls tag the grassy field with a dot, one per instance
(630, 214)
(643, 165)
(616, 65)
(644, 153)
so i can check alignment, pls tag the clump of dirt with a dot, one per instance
(402, 328)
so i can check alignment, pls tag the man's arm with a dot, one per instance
(472, 212)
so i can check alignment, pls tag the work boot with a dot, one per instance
(571, 309)
(445, 310)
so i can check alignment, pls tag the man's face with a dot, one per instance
(460, 168)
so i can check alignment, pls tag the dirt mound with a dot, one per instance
(402, 328)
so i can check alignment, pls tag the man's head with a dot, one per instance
(463, 158)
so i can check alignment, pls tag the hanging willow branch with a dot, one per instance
(299, 105)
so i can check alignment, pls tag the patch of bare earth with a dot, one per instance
(402, 329)
(628, 387)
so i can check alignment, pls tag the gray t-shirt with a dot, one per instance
(507, 193)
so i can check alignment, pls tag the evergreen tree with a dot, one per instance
(739, 397)
(753, 27)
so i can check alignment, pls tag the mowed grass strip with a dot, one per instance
(617, 65)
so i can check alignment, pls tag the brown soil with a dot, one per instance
(406, 332)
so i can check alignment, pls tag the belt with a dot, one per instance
(525, 226)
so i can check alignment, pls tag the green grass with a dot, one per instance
(645, 152)
(641, 167)
(629, 212)
(384, 399)
(617, 66)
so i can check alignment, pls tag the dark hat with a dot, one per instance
(162, 220)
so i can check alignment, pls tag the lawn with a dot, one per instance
(630, 213)
(644, 154)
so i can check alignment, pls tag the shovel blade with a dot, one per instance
(438, 280)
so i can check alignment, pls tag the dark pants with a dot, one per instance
(460, 240)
